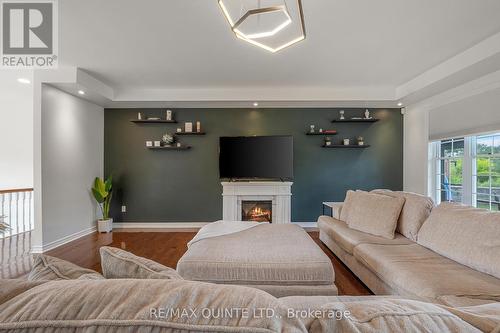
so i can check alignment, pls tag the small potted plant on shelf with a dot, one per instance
(167, 140)
(103, 192)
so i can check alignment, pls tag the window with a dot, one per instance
(449, 177)
(466, 170)
(487, 172)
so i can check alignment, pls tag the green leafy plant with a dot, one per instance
(103, 192)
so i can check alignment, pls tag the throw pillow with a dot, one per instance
(416, 210)
(120, 264)
(344, 212)
(50, 268)
(375, 214)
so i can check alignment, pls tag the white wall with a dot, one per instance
(72, 156)
(423, 123)
(415, 150)
(476, 114)
(16, 130)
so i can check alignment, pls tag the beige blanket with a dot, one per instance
(221, 228)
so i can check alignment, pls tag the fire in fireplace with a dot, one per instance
(257, 211)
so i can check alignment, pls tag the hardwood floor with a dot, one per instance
(163, 247)
(168, 247)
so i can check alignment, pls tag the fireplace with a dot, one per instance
(277, 196)
(257, 211)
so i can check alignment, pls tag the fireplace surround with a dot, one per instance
(277, 194)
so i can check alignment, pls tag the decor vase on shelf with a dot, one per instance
(103, 192)
(168, 115)
(367, 114)
(361, 141)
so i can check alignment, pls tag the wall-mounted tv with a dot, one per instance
(256, 157)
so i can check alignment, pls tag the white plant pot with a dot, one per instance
(105, 225)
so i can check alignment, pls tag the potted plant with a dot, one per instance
(103, 192)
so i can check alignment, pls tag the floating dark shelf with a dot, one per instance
(190, 133)
(170, 148)
(355, 120)
(322, 133)
(348, 146)
(159, 121)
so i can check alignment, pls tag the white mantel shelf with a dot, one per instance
(233, 193)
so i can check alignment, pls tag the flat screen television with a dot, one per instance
(256, 157)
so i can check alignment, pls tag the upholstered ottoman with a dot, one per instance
(280, 259)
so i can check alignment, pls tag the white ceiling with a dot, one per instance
(187, 43)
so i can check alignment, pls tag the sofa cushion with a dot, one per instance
(120, 264)
(50, 268)
(373, 213)
(10, 288)
(416, 210)
(485, 317)
(467, 235)
(142, 306)
(348, 238)
(414, 270)
(387, 315)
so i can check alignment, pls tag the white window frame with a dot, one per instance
(488, 156)
(469, 169)
(435, 172)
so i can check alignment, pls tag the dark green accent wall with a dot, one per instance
(178, 186)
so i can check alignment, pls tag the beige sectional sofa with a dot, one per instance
(436, 251)
(167, 306)
(139, 295)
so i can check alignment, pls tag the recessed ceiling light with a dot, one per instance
(400, 104)
(23, 80)
(255, 104)
(81, 92)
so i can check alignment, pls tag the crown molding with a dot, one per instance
(480, 60)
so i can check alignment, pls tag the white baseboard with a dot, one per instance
(307, 224)
(52, 245)
(158, 225)
(181, 225)
(135, 225)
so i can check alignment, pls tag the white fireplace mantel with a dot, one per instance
(233, 193)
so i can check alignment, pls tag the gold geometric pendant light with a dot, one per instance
(270, 24)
